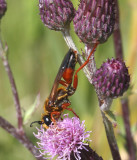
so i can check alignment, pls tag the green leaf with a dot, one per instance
(31, 110)
(111, 117)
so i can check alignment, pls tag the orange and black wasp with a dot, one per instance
(58, 100)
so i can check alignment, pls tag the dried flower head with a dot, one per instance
(87, 154)
(94, 20)
(3, 8)
(112, 78)
(63, 138)
(56, 14)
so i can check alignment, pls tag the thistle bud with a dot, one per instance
(3, 8)
(112, 78)
(94, 20)
(56, 14)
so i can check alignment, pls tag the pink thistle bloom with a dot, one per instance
(63, 139)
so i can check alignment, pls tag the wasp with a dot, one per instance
(58, 100)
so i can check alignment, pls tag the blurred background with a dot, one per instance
(35, 54)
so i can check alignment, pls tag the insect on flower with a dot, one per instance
(58, 100)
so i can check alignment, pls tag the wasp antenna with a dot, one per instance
(39, 122)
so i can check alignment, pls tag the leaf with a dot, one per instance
(111, 117)
(28, 114)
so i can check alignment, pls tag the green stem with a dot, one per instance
(111, 138)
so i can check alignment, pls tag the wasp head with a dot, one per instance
(45, 121)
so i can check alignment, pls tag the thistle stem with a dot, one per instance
(18, 133)
(129, 139)
(106, 103)
(111, 137)
(69, 41)
(3, 55)
(124, 101)
(91, 65)
(21, 137)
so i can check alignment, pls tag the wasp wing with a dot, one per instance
(65, 63)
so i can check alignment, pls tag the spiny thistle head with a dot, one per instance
(112, 78)
(63, 139)
(94, 20)
(3, 8)
(56, 14)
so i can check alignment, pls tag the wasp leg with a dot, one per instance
(55, 113)
(75, 83)
(65, 106)
(70, 109)
(64, 83)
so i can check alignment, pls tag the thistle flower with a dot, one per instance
(3, 8)
(94, 20)
(56, 14)
(64, 139)
(112, 78)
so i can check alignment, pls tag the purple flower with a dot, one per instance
(94, 20)
(65, 137)
(3, 8)
(112, 78)
(56, 14)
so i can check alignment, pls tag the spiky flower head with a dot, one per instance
(94, 20)
(56, 14)
(62, 139)
(112, 78)
(3, 8)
